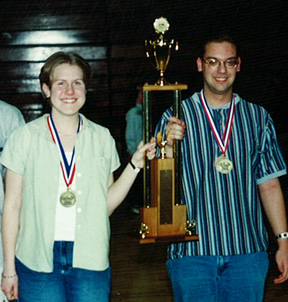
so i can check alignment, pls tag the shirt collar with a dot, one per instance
(196, 97)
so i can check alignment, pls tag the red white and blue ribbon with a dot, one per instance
(68, 169)
(222, 142)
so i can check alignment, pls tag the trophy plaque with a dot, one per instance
(160, 49)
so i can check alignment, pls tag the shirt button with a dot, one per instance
(79, 210)
(79, 192)
(79, 174)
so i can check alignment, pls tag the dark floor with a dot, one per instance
(139, 273)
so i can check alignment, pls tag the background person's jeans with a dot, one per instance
(238, 278)
(65, 283)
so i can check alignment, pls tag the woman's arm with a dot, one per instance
(10, 225)
(119, 189)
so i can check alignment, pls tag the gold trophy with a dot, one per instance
(163, 218)
(161, 49)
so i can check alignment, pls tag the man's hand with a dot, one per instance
(282, 261)
(174, 130)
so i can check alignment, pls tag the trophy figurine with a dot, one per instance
(161, 49)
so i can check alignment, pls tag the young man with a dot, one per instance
(231, 163)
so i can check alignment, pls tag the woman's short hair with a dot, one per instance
(62, 57)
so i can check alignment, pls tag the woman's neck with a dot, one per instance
(67, 130)
(67, 126)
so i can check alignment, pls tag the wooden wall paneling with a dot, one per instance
(136, 66)
(41, 53)
(52, 6)
(23, 54)
(20, 86)
(32, 31)
(20, 69)
(50, 37)
(110, 35)
(41, 21)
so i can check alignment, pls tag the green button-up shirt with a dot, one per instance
(31, 152)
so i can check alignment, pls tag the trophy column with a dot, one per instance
(162, 217)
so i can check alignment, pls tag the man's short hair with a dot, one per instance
(218, 38)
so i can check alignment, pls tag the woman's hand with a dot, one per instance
(148, 149)
(9, 286)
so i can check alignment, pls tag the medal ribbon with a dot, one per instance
(222, 142)
(68, 169)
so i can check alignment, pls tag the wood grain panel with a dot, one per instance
(93, 20)
(51, 6)
(33, 85)
(40, 53)
(32, 70)
(110, 34)
(51, 37)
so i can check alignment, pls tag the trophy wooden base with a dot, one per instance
(164, 220)
(151, 231)
(168, 239)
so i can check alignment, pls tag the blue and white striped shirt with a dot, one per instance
(226, 207)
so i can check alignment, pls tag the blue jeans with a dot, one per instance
(238, 278)
(65, 283)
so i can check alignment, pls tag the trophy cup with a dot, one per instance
(160, 49)
(163, 218)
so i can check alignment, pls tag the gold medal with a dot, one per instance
(223, 164)
(68, 198)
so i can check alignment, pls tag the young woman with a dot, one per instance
(60, 192)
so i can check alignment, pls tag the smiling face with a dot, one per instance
(218, 81)
(67, 93)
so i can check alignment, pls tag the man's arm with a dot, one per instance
(273, 202)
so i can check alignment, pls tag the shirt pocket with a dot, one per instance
(95, 169)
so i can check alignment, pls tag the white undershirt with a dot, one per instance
(65, 220)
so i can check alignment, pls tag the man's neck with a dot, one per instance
(217, 100)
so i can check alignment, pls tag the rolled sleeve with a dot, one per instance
(271, 164)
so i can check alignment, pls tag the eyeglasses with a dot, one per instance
(214, 63)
